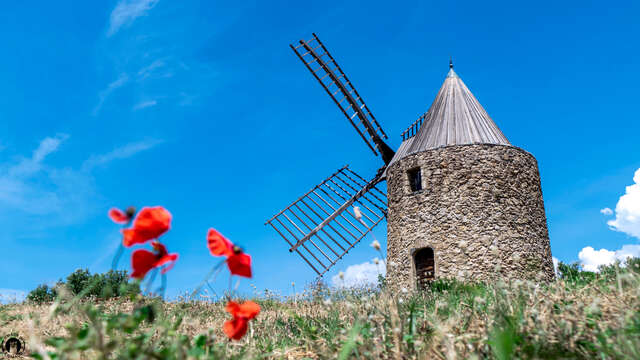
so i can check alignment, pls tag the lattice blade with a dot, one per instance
(321, 225)
(314, 54)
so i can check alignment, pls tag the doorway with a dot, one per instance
(425, 267)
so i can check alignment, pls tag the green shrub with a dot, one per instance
(42, 293)
(78, 281)
(572, 274)
(115, 284)
(81, 283)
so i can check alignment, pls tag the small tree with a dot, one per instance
(116, 284)
(42, 293)
(78, 280)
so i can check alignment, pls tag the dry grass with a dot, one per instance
(581, 317)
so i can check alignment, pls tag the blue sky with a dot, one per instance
(201, 107)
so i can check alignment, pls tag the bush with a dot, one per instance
(81, 283)
(78, 280)
(42, 293)
(572, 274)
(115, 284)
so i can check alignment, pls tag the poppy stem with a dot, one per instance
(163, 285)
(116, 257)
(213, 278)
(206, 278)
(150, 281)
(212, 290)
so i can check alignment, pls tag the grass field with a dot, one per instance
(582, 315)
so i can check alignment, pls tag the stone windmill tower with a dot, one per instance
(461, 201)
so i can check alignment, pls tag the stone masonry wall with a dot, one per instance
(480, 209)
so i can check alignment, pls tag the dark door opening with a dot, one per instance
(425, 266)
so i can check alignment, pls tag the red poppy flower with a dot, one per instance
(150, 223)
(144, 260)
(242, 313)
(239, 262)
(218, 244)
(121, 217)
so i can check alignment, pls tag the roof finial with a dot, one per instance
(450, 62)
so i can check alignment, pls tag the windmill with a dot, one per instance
(321, 225)
(460, 198)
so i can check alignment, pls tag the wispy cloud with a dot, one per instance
(32, 187)
(628, 210)
(127, 11)
(150, 69)
(104, 94)
(33, 164)
(145, 104)
(37, 194)
(154, 71)
(121, 152)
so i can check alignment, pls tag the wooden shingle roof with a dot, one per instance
(454, 118)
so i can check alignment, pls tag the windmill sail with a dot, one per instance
(325, 69)
(321, 226)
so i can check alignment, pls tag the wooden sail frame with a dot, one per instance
(326, 70)
(321, 226)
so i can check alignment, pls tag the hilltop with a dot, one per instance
(581, 315)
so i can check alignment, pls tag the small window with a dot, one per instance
(415, 179)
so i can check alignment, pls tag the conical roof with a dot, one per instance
(455, 118)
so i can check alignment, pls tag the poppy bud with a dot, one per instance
(130, 211)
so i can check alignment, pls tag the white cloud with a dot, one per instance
(121, 152)
(152, 68)
(360, 275)
(35, 195)
(48, 145)
(33, 164)
(127, 11)
(104, 94)
(592, 259)
(606, 211)
(628, 210)
(145, 104)
(34, 188)
(555, 264)
(11, 295)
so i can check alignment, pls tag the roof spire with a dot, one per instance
(455, 118)
(450, 62)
